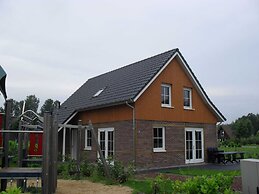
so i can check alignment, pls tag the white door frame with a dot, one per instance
(106, 130)
(194, 158)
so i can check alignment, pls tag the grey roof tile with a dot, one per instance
(120, 85)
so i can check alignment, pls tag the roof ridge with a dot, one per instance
(125, 66)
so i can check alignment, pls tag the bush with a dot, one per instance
(161, 184)
(118, 173)
(204, 184)
(86, 168)
(68, 169)
(12, 190)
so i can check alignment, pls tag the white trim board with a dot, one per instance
(190, 75)
(71, 117)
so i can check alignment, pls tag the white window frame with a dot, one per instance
(190, 98)
(170, 95)
(161, 149)
(98, 92)
(106, 130)
(86, 140)
(194, 159)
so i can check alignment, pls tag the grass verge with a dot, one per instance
(200, 172)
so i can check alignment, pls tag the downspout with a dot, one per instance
(133, 131)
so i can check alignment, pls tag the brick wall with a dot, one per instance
(123, 145)
(174, 143)
(145, 157)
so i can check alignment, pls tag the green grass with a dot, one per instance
(251, 151)
(200, 172)
(139, 186)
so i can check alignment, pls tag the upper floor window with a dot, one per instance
(88, 139)
(159, 139)
(98, 92)
(166, 95)
(187, 98)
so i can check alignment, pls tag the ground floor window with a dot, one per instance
(106, 142)
(158, 139)
(88, 139)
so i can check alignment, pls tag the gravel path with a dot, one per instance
(85, 186)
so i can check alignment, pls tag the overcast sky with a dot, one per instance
(51, 47)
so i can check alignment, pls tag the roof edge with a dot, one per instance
(194, 79)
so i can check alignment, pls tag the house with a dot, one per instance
(153, 113)
(225, 132)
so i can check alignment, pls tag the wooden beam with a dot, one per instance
(70, 126)
(106, 168)
(64, 145)
(19, 131)
(6, 136)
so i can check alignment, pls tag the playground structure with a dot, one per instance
(36, 129)
(27, 130)
(40, 135)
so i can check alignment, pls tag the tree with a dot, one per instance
(242, 127)
(255, 122)
(17, 107)
(2, 110)
(49, 106)
(32, 103)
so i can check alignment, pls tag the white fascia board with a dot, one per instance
(71, 117)
(199, 88)
(153, 79)
(187, 70)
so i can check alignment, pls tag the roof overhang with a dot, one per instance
(194, 80)
(69, 119)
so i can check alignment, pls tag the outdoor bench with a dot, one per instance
(225, 157)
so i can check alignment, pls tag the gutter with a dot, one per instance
(133, 129)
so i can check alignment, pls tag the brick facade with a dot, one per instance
(145, 157)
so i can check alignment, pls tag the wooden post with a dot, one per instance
(6, 137)
(54, 132)
(20, 153)
(78, 150)
(106, 168)
(46, 178)
(64, 145)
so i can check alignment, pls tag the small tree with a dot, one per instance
(32, 103)
(242, 127)
(48, 106)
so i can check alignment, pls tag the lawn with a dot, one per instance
(200, 172)
(251, 151)
(139, 186)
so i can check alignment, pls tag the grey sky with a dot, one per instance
(50, 48)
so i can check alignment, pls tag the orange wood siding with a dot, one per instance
(148, 106)
(111, 114)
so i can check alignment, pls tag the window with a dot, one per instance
(106, 141)
(166, 95)
(159, 139)
(88, 139)
(98, 92)
(187, 98)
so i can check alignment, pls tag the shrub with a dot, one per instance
(161, 184)
(12, 190)
(86, 168)
(118, 172)
(204, 184)
(68, 169)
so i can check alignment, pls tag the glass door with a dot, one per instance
(194, 149)
(106, 142)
